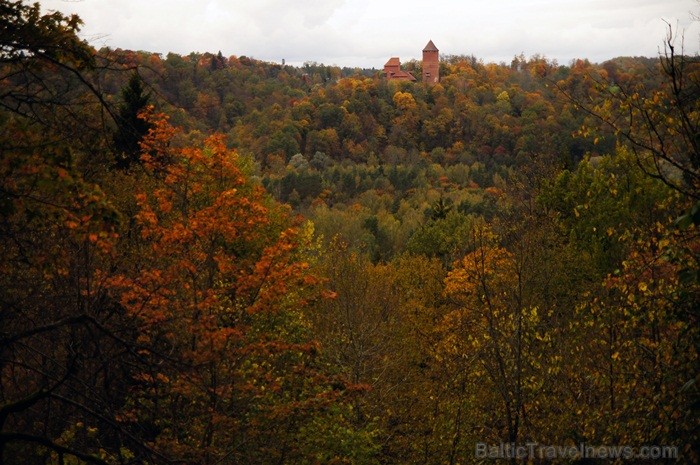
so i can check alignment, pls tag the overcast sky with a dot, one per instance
(365, 33)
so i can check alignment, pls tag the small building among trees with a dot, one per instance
(393, 71)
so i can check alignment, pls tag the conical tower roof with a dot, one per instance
(430, 47)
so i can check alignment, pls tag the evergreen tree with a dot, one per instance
(131, 128)
(218, 62)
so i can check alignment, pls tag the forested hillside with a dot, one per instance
(218, 260)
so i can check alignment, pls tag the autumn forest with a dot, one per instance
(219, 260)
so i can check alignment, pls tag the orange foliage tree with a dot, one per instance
(216, 289)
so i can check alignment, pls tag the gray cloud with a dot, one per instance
(365, 33)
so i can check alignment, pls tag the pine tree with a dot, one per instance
(131, 128)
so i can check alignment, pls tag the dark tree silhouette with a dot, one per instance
(130, 127)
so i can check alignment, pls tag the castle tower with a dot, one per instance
(431, 64)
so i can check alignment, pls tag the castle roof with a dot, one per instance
(430, 47)
(399, 75)
(393, 61)
(402, 75)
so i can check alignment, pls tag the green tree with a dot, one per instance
(46, 73)
(599, 202)
(131, 126)
(660, 123)
(442, 237)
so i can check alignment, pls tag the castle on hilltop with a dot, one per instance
(431, 67)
